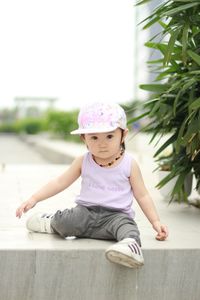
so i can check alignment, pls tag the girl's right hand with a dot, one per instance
(25, 206)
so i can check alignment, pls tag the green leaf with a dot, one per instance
(179, 183)
(155, 109)
(185, 87)
(175, 102)
(154, 135)
(183, 0)
(156, 61)
(166, 73)
(195, 72)
(172, 40)
(192, 131)
(166, 179)
(175, 86)
(166, 144)
(147, 103)
(188, 84)
(195, 104)
(174, 64)
(138, 118)
(181, 131)
(180, 136)
(151, 45)
(194, 56)
(179, 9)
(142, 2)
(158, 46)
(162, 24)
(195, 31)
(162, 48)
(153, 21)
(157, 88)
(185, 42)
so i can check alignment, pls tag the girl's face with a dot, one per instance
(105, 145)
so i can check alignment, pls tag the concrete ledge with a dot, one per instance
(55, 151)
(39, 267)
(77, 269)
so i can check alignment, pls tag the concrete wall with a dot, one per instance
(85, 274)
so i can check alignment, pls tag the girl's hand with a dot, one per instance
(25, 206)
(162, 231)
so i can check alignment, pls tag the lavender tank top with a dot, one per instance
(107, 187)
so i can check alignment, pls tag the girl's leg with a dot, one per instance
(127, 251)
(72, 222)
(124, 227)
(118, 226)
(114, 226)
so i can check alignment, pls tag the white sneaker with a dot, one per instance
(40, 222)
(126, 252)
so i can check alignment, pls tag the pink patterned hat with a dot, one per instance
(100, 117)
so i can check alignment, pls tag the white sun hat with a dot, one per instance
(100, 117)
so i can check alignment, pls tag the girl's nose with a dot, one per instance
(102, 142)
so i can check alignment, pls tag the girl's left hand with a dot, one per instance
(162, 231)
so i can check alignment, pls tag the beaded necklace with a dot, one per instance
(112, 162)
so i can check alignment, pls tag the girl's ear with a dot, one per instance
(125, 132)
(82, 137)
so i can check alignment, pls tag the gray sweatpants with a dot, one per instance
(95, 222)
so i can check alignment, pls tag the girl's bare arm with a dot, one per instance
(145, 201)
(53, 187)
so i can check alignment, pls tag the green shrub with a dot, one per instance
(175, 105)
(30, 125)
(8, 128)
(62, 123)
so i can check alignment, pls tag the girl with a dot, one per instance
(110, 179)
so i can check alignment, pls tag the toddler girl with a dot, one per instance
(111, 179)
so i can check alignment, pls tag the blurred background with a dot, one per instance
(59, 55)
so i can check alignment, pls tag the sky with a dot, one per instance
(74, 50)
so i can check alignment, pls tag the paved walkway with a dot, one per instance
(13, 151)
(23, 174)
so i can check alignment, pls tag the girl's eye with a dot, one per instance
(110, 136)
(94, 138)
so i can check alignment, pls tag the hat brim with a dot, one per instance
(93, 130)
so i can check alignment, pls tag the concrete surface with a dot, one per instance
(14, 152)
(41, 266)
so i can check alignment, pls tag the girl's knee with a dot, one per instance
(61, 222)
(128, 229)
(68, 222)
(56, 223)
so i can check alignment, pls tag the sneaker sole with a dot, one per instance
(122, 259)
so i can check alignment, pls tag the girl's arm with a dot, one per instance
(145, 201)
(53, 187)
